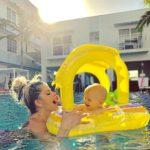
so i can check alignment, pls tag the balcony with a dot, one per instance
(14, 59)
(8, 28)
(130, 41)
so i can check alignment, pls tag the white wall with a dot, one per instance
(109, 34)
(3, 10)
(3, 45)
(146, 33)
(105, 24)
(10, 58)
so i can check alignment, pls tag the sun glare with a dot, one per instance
(59, 10)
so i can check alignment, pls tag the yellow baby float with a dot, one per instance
(96, 59)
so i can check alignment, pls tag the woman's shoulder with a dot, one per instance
(36, 117)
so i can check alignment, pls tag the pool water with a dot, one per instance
(13, 115)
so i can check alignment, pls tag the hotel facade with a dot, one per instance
(116, 30)
(18, 44)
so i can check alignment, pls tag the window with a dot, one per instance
(94, 36)
(11, 15)
(11, 45)
(123, 32)
(129, 38)
(67, 39)
(57, 50)
(133, 75)
(62, 45)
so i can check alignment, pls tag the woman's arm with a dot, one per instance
(69, 121)
(79, 107)
(37, 126)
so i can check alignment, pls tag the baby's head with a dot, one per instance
(94, 96)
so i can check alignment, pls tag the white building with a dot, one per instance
(116, 30)
(18, 44)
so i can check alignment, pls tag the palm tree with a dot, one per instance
(147, 2)
(145, 19)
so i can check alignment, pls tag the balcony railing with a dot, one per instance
(8, 27)
(131, 41)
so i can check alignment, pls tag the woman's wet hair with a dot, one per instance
(27, 91)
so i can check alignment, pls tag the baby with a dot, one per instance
(94, 97)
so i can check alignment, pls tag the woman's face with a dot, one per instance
(48, 99)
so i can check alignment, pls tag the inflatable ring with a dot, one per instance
(126, 117)
(96, 59)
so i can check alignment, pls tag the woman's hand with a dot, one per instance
(69, 121)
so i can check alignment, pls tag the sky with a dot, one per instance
(60, 10)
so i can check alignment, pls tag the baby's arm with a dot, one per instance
(98, 111)
(79, 107)
(102, 110)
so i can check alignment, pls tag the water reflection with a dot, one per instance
(138, 139)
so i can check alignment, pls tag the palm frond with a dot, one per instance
(144, 21)
(147, 2)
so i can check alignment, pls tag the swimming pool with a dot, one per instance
(13, 115)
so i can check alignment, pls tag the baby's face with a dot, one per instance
(93, 100)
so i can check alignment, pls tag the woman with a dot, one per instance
(41, 101)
